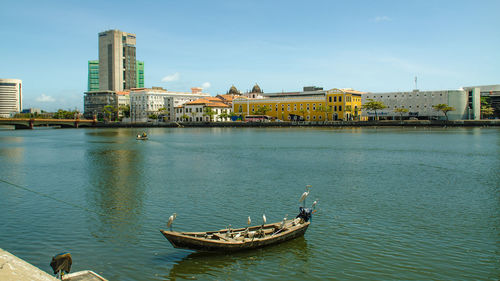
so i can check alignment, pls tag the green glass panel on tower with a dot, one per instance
(140, 74)
(93, 79)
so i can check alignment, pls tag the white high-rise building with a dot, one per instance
(11, 97)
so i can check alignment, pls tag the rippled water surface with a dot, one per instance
(411, 204)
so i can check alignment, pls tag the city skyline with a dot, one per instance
(283, 45)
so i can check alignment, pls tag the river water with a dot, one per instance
(394, 203)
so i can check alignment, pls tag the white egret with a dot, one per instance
(304, 195)
(171, 220)
(249, 221)
(283, 222)
(264, 218)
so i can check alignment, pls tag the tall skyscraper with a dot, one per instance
(117, 63)
(93, 80)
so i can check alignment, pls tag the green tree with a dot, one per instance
(486, 109)
(444, 108)
(224, 115)
(208, 111)
(373, 105)
(401, 111)
(125, 110)
(153, 116)
(65, 114)
(185, 116)
(108, 111)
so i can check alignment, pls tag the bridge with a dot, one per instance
(29, 123)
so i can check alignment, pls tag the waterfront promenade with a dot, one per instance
(237, 124)
(14, 268)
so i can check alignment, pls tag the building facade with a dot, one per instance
(140, 74)
(117, 60)
(316, 105)
(419, 104)
(492, 95)
(158, 101)
(101, 104)
(203, 110)
(93, 75)
(11, 97)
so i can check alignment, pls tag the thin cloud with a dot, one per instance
(171, 78)
(382, 19)
(45, 98)
(206, 85)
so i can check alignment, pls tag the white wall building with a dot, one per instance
(195, 111)
(144, 102)
(11, 97)
(419, 104)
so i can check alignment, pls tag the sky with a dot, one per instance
(374, 46)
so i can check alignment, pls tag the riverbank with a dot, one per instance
(388, 123)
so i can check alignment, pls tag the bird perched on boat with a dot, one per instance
(171, 220)
(283, 222)
(304, 195)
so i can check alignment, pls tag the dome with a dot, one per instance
(233, 91)
(256, 89)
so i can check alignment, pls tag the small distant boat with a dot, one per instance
(231, 240)
(142, 137)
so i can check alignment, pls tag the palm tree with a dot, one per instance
(224, 115)
(208, 111)
(443, 108)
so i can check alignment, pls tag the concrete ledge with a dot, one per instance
(237, 124)
(14, 268)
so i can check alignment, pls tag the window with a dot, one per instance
(340, 108)
(330, 98)
(340, 99)
(314, 117)
(334, 99)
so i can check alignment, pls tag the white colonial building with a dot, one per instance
(419, 104)
(11, 94)
(145, 101)
(198, 110)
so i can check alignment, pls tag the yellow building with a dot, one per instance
(330, 105)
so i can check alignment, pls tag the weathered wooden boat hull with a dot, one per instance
(187, 241)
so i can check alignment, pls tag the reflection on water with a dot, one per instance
(115, 189)
(199, 265)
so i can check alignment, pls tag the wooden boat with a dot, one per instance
(231, 240)
(142, 137)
